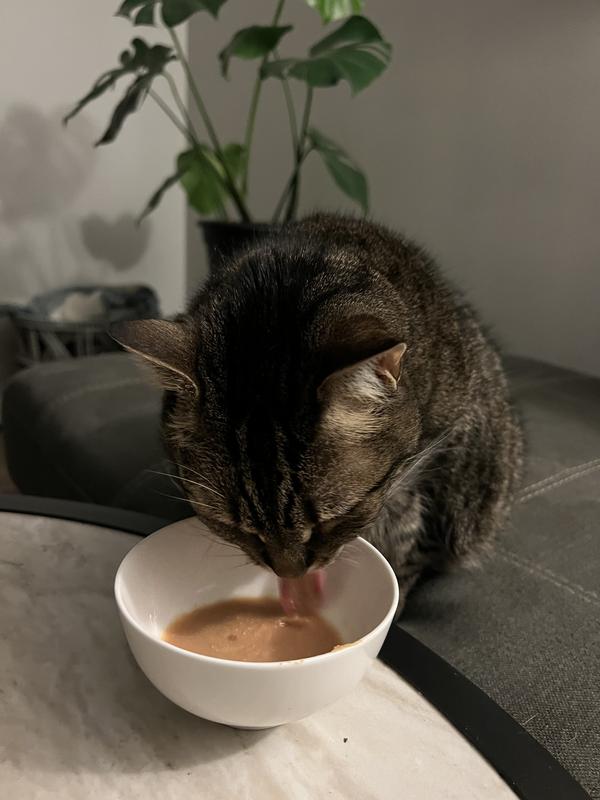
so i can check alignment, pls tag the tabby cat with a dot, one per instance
(328, 383)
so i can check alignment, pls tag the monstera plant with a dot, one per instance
(214, 173)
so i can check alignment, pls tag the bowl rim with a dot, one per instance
(255, 665)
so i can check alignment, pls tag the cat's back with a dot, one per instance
(287, 293)
(326, 292)
(322, 254)
(393, 255)
(287, 284)
(276, 320)
(447, 346)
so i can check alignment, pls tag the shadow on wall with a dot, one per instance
(44, 168)
(122, 243)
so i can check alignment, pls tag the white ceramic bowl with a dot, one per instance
(179, 568)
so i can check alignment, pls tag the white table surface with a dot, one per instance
(79, 720)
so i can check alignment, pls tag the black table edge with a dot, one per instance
(522, 762)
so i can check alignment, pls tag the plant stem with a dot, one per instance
(193, 135)
(293, 186)
(162, 105)
(287, 189)
(181, 106)
(254, 104)
(187, 132)
(289, 101)
(212, 134)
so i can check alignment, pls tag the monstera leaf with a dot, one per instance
(342, 169)
(202, 180)
(254, 42)
(355, 52)
(202, 176)
(157, 196)
(173, 12)
(235, 156)
(145, 63)
(331, 10)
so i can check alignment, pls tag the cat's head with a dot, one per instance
(285, 438)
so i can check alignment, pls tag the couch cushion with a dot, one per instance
(88, 429)
(525, 626)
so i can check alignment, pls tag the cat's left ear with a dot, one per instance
(167, 346)
(370, 379)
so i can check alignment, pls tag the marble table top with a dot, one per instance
(79, 720)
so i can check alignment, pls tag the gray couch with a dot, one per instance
(525, 627)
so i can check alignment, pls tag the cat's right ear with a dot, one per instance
(353, 396)
(167, 346)
(370, 379)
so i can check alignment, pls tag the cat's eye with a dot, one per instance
(328, 525)
(245, 529)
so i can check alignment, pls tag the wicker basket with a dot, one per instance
(41, 338)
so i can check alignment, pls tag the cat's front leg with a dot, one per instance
(397, 534)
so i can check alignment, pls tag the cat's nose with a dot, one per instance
(287, 565)
(290, 570)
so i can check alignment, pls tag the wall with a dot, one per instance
(67, 210)
(482, 141)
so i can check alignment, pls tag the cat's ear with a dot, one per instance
(167, 346)
(352, 397)
(370, 379)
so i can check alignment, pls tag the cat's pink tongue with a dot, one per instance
(302, 595)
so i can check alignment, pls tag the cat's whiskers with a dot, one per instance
(237, 551)
(194, 472)
(187, 480)
(198, 475)
(186, 500)
(227, 555)
(343, 555)
(399, 481)
(202, 505)
(171, 496)
(227, 544)
(247, 563)
(217, 541)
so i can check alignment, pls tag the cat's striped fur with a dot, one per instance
(328, 383)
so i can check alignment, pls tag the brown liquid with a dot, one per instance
(251, 629)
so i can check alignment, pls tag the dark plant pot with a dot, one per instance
(224, 239)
